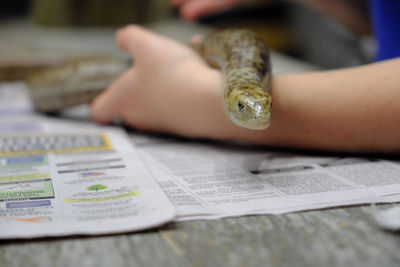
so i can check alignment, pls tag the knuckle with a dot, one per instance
(131, 29)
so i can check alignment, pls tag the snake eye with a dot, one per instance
(240, 105)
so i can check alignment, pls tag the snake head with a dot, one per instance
(249, 107)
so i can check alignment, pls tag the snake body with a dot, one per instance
(244, 60)
(76, 82)
(241, 55)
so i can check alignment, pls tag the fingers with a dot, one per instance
(191, 10)
(133, 39)
(198, 38)
(111, 103)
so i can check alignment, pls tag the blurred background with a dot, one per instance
(40, 33)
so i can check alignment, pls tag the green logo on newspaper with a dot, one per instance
(96, 187)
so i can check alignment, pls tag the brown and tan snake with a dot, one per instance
(240, 54)
(244, 60)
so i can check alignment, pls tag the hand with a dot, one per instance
(193, 9)
(169, 88)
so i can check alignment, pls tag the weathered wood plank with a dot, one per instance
(332, 237)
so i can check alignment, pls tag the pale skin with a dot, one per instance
(352, 13)
(171, 89)
(193, 9)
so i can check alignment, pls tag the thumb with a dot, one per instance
(110, 104)
(133, 39)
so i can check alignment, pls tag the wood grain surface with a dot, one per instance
(331, 237)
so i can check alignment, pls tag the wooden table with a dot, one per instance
(332, 237)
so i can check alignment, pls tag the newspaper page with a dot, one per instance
(60, 177)
(212, 180)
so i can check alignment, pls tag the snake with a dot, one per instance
(244, 60)
(241, 55)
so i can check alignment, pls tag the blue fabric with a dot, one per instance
(386, 23)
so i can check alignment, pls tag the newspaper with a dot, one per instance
(213, 180)
(60, 177)
(79, 178)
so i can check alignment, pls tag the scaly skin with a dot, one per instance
(241, 55)
(244, 59)
(76, 82)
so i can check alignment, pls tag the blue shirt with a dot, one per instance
(386, 24)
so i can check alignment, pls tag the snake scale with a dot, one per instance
(244, 60)
(241, 55)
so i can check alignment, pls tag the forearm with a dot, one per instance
(353, 110)
(170, 89)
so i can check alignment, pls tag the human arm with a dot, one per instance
(170, 89)
(194, 9)
(352, 13)
(352, 110)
